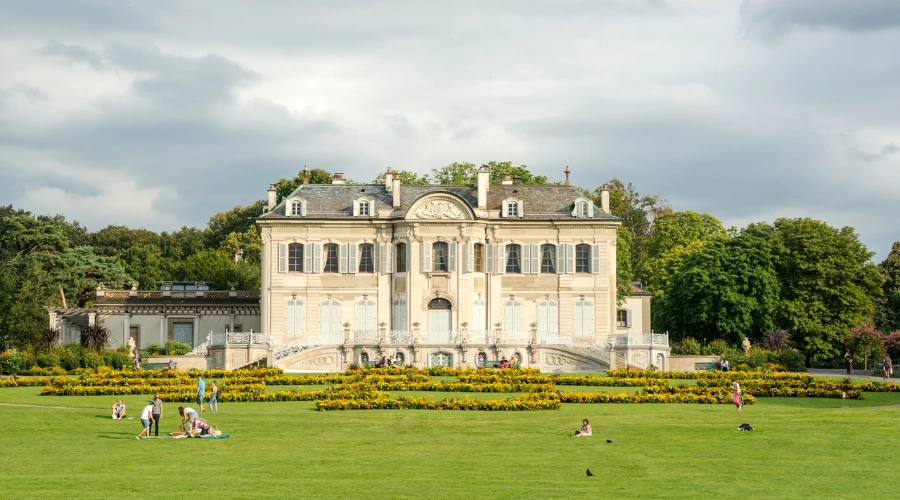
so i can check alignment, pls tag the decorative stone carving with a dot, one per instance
(439, 209)
(131, 346)
(745, 345)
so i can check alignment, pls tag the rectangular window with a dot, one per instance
(364, 208)
(512, 209)
(584, 318)
(183, 332)
(439, 252)
(401, 258)
(296, 208)
(583, 259)
(366, 261)
(622, 318)
(295, 257)
(513, 261)
(479, 258)
(548, 259)
(584, 209)
(331, 258)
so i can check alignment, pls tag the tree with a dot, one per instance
(455, 174)
(406, 177)
(248, 242)
(112, 240)
(725, 288)
(499, 170)
(237, 220)
(826, 283)
(681, 228)
(866, 342)
(465, 173)
(27, 317)
(887, 303)
(79, 271)
(218, 266)
(285, 187)
(182, 243)
(145, 264)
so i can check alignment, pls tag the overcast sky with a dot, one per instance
(161, 113)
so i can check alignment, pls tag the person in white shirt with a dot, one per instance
(186, 414)
(146, 419)
(118, 410)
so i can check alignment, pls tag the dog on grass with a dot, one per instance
(745, 427)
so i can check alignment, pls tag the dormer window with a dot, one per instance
(584, 209)
(512, 208)
(296, 207)
(363, 207)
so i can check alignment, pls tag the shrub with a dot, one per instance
(777, 340)
(91, 359)
(757, 358)
(792, 359)
(96, 337)
(69, 356)
(152, 349)
(47, 359)
(15, 362)
(177, 348)
(717, 347)
(116, 358)
(689, 346)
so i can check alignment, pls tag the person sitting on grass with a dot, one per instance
(198, 426)
(186, 415)
(118, 410)
(585, 429)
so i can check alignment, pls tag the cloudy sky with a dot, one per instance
(160, 113)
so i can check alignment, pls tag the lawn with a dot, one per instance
(802, 448)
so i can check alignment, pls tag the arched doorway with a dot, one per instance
(440, 321)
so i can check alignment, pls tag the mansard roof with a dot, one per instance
(335, 201)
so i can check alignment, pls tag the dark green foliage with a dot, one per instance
(95, 338)
(49, 338)
(887, 304)
(173, 348)
(69, 356)
(117, 358)
(91, 359)
(14, 362)
(777, 340)
(47, 359)
(153, 349)
(688, 346)
(406, 177)
(237, 220)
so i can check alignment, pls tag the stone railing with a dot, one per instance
(482, 336)
(176, 294)
(442, 337)
(633, 339)
(399, 337)
(514, 336)
(284, 350)
(365, 336)
(239, 338)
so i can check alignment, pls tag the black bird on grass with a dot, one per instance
(609, 440)
(589, 473)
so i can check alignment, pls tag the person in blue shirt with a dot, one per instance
(201, 390)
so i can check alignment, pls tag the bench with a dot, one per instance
(705, 365)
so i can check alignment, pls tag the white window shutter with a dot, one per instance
(501, 258)
(303, 208)
(282, 257)
(535, 258)
(526, 259)
(560, 259)
(389, 258)
(517, 318)
(628, 318)
(378, 253)
(470, 257)
(317, 258)
(343, 265)
(355, 208)
(503, 209)
(308, 257)
(426, 256)
(451, 264)
(570, 258)
(553, 319)
(542, 317)
(579, 318)
(489, 258)
(595, 259)
(353, 265)
(590, 206)
(520, 205)
(289, 318)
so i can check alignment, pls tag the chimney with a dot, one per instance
(305, 174)
(567, 176)
(507, 180)
(272, 196)
(389, 180)
(396, 190)
(517, 180)
(338, 178)
(484, 181)
(604, 198)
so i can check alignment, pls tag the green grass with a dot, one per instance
(802, 448)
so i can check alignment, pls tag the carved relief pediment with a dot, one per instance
(439, 209)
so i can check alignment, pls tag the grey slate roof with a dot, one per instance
(335, 201)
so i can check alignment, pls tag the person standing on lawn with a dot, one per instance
(736, 394)
(201, 391)
(146, 420)
(888, 367)
(214, 398)
(157, 412)
(849, 360)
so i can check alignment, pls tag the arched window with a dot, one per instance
(583, 209)
(294, 318)
(479, 258)
(440, 321)
(584, 318)
(331, 258)
(295, 258)
(330, 322)
(513, 258)
(439, 256)
(366, 258)
(363, 207)
(548, 319)
(512, 207)
(582, 258)
(548, 258)
(296, 207)
(401, 258)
